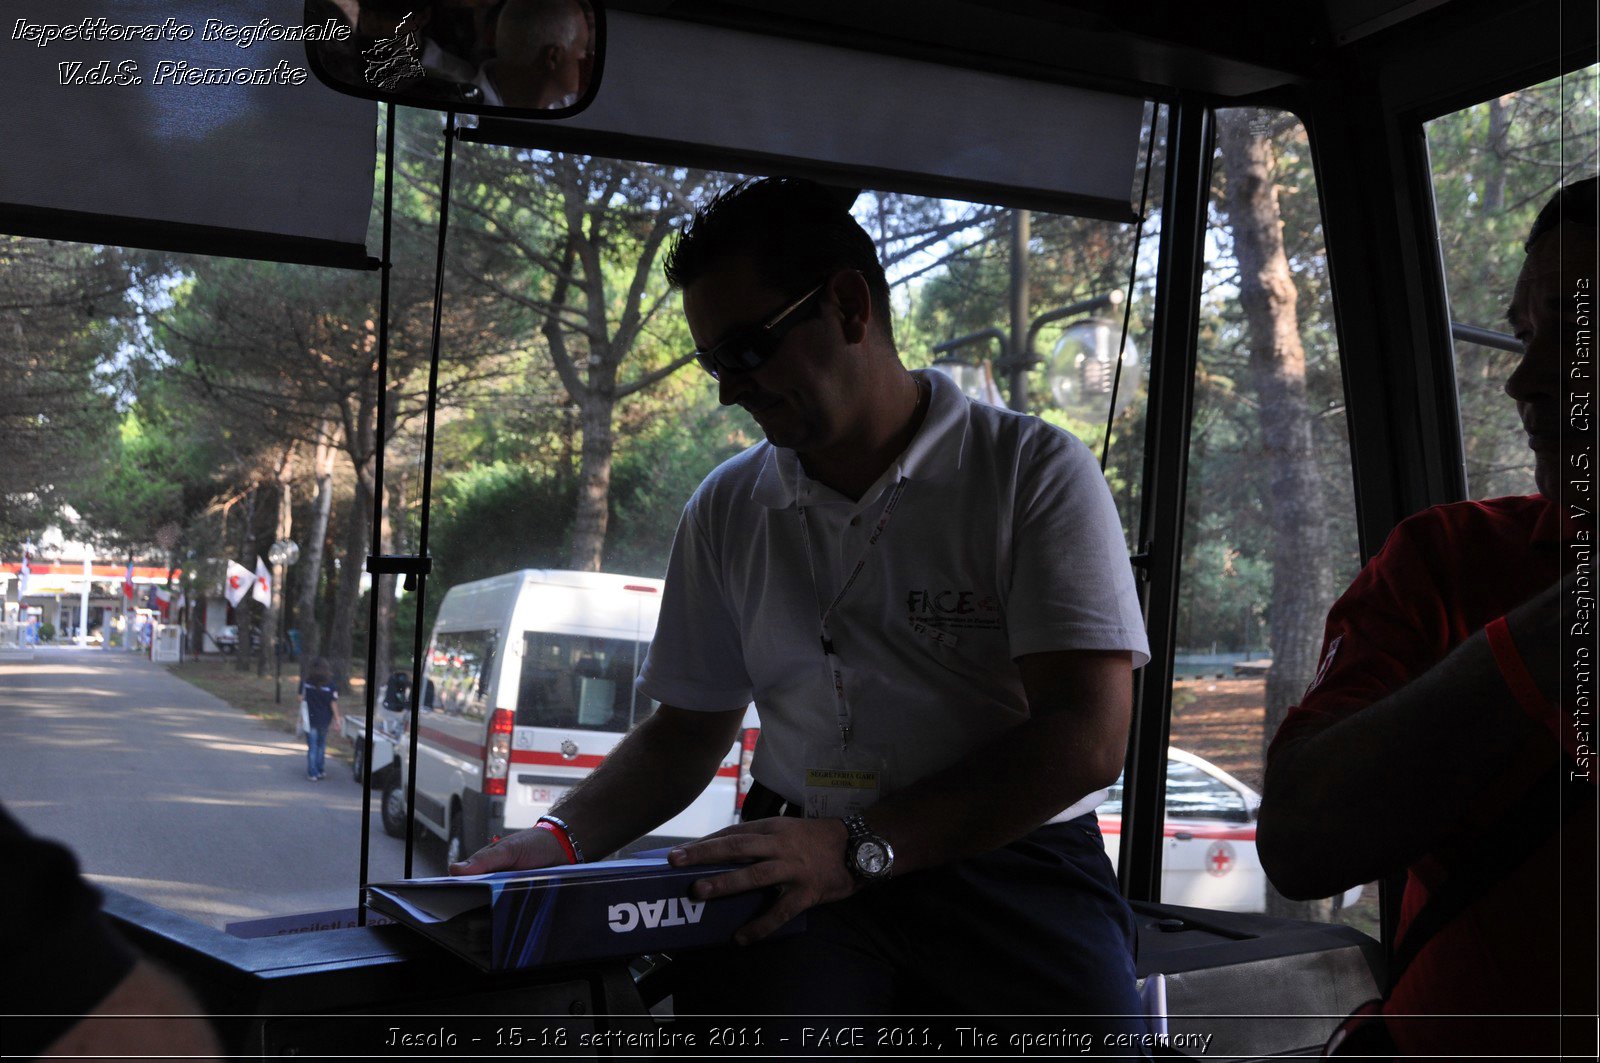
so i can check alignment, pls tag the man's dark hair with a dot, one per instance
(1575, 203)
(320, 674)
(796, 232)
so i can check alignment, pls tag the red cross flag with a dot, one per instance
(237, 583)
(263, 588)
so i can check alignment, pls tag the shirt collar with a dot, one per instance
(936, 449)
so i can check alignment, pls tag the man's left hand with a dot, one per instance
(804, 858)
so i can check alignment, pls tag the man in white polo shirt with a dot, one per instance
(930, 603)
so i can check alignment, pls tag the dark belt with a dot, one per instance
(763, 802)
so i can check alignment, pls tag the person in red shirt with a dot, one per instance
(1449, 730)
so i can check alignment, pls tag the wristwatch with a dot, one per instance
(868, 856)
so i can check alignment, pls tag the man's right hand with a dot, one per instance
(523, 851)
(657, 769)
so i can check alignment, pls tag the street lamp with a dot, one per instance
(1083, 366)
(972, 375)
(1082, 369)
(284, 552)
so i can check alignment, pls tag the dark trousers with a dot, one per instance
(1037, 928)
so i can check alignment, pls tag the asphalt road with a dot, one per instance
(167, 793)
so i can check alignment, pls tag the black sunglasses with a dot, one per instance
(750, 349)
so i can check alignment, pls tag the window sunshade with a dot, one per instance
(681, 92)
(152, 123)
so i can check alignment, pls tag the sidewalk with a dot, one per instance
(170, 794)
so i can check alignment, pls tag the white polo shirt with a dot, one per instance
(1003, 542)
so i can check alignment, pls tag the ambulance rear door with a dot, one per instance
(577, 644)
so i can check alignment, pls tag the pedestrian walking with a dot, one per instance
(320, 700)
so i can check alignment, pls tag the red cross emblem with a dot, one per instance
(1219, 859)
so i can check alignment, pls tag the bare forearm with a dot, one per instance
(149, 1013)
(1012, 785)
(651, 776)
(1071, 745)
(1369, 794)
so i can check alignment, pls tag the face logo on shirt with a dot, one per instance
(951, 603)
(934, 611)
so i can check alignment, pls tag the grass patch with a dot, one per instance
(256, 694)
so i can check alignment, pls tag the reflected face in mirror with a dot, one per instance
(541, 50)
(526, 57)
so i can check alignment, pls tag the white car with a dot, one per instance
(1208, 857)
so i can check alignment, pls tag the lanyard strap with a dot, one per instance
(829, 655)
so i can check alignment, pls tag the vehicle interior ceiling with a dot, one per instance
(1153, 48)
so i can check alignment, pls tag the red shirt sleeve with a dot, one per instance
(1387, 629)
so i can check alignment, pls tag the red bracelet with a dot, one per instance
(561, 836)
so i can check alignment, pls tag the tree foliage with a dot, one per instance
(64, 312)
(1494, 166)
(571, 243)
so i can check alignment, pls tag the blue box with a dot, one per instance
(513, 920)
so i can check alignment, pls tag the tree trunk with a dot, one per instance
(360, 443)
(194, 619)
(330, 589)
(311, 559)
(1494, 181)
(1296, 507)
(594, 484)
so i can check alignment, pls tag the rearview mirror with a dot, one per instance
(503, 58)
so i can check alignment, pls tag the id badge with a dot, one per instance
(840, 782)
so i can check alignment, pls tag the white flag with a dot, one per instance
(237, 583)
(27, 569)
(263, 591)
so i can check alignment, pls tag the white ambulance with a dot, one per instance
(529, 684)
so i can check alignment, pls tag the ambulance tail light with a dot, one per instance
(497, 760)
(747, 753)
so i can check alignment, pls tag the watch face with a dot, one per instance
(872, 859)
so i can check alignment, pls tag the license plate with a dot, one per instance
(544, 795)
